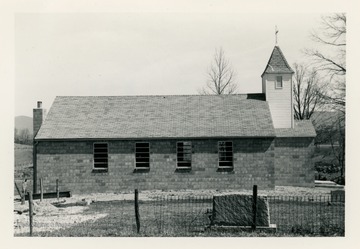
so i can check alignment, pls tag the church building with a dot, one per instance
(172, 142)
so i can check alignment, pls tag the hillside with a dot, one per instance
(24, 122)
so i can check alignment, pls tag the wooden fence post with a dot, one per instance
(137, 215)
(57, 189)
(23, 189)
(41, 190)
(254, 208)
(31, 213)
(18, 190)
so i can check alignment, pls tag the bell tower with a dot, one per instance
(277, 86)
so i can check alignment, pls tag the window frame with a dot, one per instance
(276, 82)
(107, 156)
(177, 155)
(137, 164)
(232, 155)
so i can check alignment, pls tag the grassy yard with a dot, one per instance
(23, 161)
(23, 168)
(188, 217)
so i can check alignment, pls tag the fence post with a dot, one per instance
(41, 190)
(31, 212)
(24, 186)
(137, 215)
(57, 189)
(254, 208)
(18, 190)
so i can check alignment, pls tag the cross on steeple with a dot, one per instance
(276, 38)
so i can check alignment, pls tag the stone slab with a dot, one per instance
(236, 210)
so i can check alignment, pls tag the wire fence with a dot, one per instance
(304, 215)
(176, 215)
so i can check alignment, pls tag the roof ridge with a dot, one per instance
(158, 95)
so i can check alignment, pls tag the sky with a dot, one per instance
(145, 53)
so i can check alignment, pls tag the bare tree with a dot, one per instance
(307, 91)
(331, 36)
(221, 76)
(25, 136)
(331, 130)
(337, 139)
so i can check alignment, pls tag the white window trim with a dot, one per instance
(107, 147)
(183, 167)
(232, 156)
(136, 167)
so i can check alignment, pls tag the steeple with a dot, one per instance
(277, 86)
(277, 63)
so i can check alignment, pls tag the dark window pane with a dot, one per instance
(184, 151)
(184, 164)
(142, 155)
(141, 160)
(100, 155)
(225, 164)
(225, 154)
(143, 165)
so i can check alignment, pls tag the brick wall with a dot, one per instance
(293, 162)
(72, 163)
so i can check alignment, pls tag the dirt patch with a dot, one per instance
(48, 217)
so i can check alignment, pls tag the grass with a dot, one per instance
(316, 216)
(23, 161)
(190, 218)
(23, 155)
(23, 164)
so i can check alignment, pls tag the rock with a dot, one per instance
(20, 212)
(83, 202)
(236, 210)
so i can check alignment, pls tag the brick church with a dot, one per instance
(170, 142)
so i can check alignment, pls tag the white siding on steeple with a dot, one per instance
(279, 99)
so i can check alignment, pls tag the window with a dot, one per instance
(225, 154)
(100, 155)
(184, 150)
(279, 82)
(142, 155)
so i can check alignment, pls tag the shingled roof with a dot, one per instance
(169, 116)
(302, 128)
(277, 63)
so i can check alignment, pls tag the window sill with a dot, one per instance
(100, 171)
(228, 170)
(143, 170)
(183, 170)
